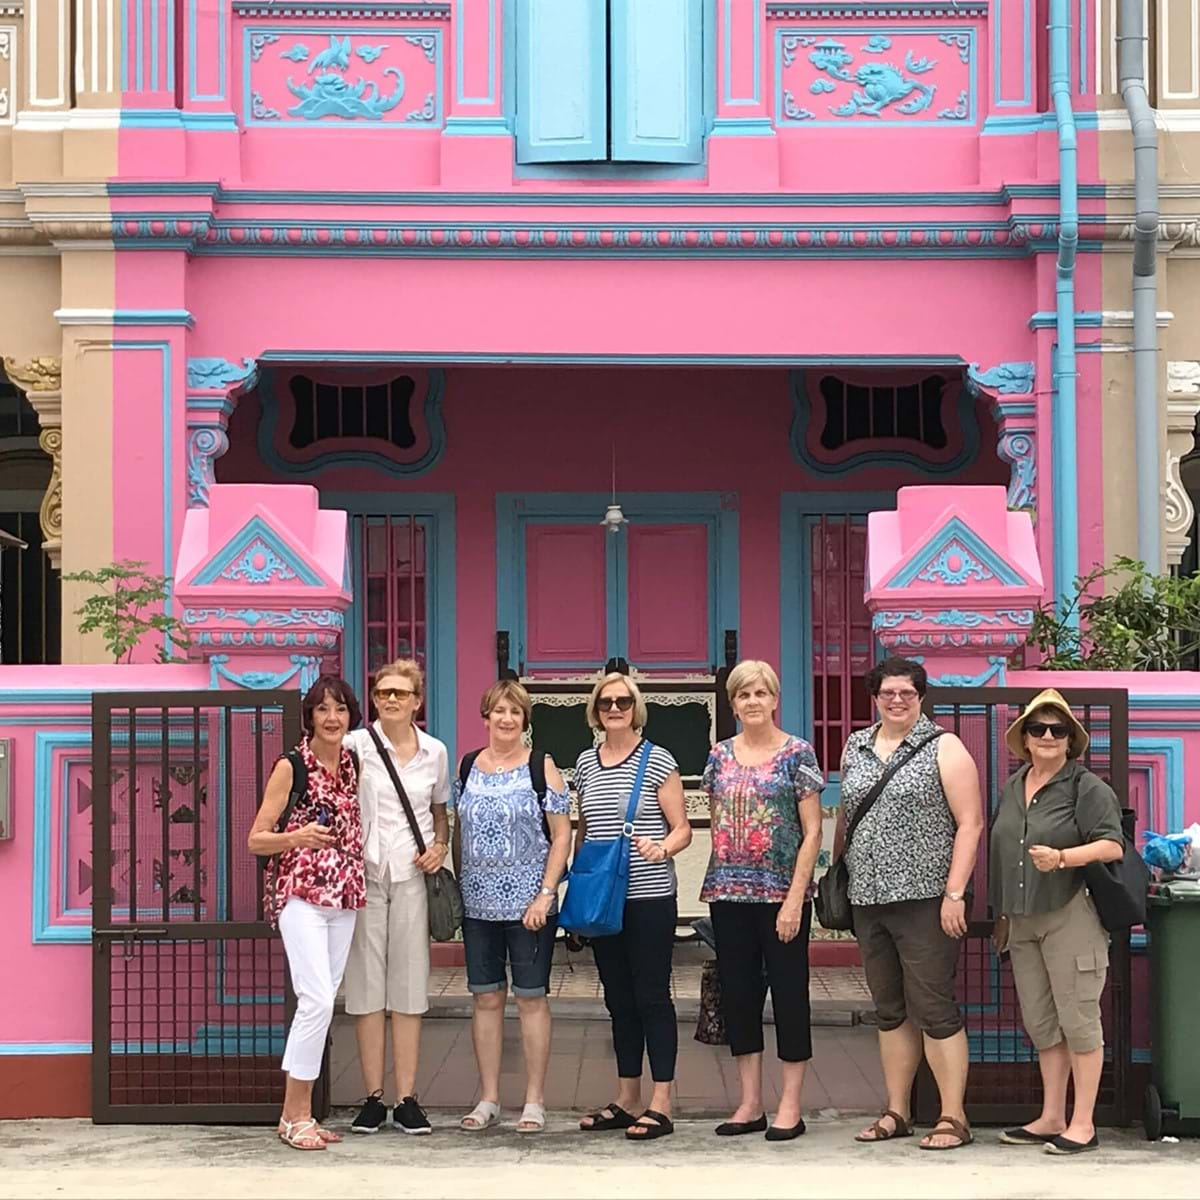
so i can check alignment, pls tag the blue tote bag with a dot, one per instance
(599, 878)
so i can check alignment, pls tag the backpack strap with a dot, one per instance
(537, 775)
(464, 767)
(298, 791)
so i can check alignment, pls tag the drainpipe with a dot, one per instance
(1131, 40)
(1063, 424)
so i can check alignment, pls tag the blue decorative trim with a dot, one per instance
(436, 512)
(307, 666)
(45, 743)
(992, 674)
(1026, 97)
(269, 618)
(476, 127)
(797, 511)
(510, 357)
(1171, 750)
(978, 561)
(234, 562)
(873, 10)
(1012, 378)
(153, 316)
(44, 1048)
(877, 455)
(949, 616)
(514, 511)
(460, 26)
(386, 10)
(218, 373)
(192, 20)
(331, 460)
(755, 98)
(743, 126)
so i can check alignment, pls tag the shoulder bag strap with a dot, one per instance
(881, 783)
(391, 770)
(636, 794)
(464, 767)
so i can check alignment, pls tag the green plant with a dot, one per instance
(117, 610)
(1145, 622)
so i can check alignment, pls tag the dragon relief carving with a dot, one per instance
(330, 94)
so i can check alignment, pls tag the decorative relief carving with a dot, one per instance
(37, 375)
(863, 77)
(1011, 378)
(204, 446)
(1183, 378)
(8, 73)
(346, 78)
(41, 381)
(1183, 405)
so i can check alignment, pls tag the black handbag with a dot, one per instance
(445, 899)
(832, 903)
(1119, 888)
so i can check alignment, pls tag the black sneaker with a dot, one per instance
(372, 1116)
(409, 1117)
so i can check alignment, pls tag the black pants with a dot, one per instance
(746, 942)
(635, 969)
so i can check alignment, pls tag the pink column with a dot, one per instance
(206, 88)
(741, 151)
(477, 149)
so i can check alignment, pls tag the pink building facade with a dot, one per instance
(368, 312)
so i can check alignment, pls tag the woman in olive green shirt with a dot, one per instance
(1053, 818)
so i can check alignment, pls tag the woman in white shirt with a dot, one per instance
(388, 969)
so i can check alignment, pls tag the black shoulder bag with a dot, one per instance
(1119, 888)
(445, 900)
(832, 903)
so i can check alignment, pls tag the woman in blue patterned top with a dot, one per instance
(510, 851)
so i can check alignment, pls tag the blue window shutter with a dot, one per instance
(657, 72)
(562, 86)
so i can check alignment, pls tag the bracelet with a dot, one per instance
(1062, 860)
(666, 852)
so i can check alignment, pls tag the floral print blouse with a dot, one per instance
(332, 877)
(756, 832)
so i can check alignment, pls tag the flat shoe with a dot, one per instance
(620, 1119)
(777, 1133)
(533, 1118)
(737, 1128)
(659, 1125)
(1025, 1137)
(1062, 1145)
(485, 1113)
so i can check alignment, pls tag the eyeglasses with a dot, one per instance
(1039, 729)
(620, 703)
(393, 693)
(908, 695)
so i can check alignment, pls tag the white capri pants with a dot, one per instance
(317, 941)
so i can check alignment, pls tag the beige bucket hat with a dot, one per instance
(1077, 743)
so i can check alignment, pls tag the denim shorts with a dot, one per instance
(491, 945)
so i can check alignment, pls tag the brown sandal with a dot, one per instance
(879, 1133)
(948, 1126)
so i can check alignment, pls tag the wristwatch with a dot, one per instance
(955, 896)
(548, 892)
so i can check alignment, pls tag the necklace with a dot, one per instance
(501, 761)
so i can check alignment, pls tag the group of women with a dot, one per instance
(356, 837)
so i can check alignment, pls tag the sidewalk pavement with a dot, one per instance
(73, 1159)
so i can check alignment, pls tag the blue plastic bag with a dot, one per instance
(1165, 850)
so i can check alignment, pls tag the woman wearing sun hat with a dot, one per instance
(1054, 817)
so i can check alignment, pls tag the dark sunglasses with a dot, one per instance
(620, 703)
(393, 693)
(1038, 729)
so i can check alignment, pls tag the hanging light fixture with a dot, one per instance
(614, 518)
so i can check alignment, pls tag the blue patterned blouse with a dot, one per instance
(504, 845)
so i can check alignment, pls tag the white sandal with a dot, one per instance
(485, 1113)
(301, 1135)
(533, 1118)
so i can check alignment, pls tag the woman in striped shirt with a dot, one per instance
(635, 964)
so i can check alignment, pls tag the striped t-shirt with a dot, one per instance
(604, 798)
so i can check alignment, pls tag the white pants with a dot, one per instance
(317, 941)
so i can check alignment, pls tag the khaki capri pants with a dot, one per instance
(388, 966)
(1059, 963)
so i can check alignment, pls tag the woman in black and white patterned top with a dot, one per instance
(635, 964)
(910, 861)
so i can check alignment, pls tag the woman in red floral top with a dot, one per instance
(314, 889)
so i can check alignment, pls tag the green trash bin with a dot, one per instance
(1173, 924)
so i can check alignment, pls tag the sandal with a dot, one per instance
(485, 1113)
(659, 1125)
(618, 1118)
(879, 1133)
(328, 1136)
(948, 1126)
(301, 1135)
(533, 1118)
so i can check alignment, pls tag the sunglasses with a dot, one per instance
(1039, 729)
(620, 703)
(393, 693)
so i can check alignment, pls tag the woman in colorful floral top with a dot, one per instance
(315, 889)
(510, 851)
(764, 787)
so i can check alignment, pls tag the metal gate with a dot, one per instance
(190, 992)
(1004, 1084)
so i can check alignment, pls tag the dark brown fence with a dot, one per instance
(1004, 1084)
(190, 992)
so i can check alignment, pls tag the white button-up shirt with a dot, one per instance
(388, 842)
